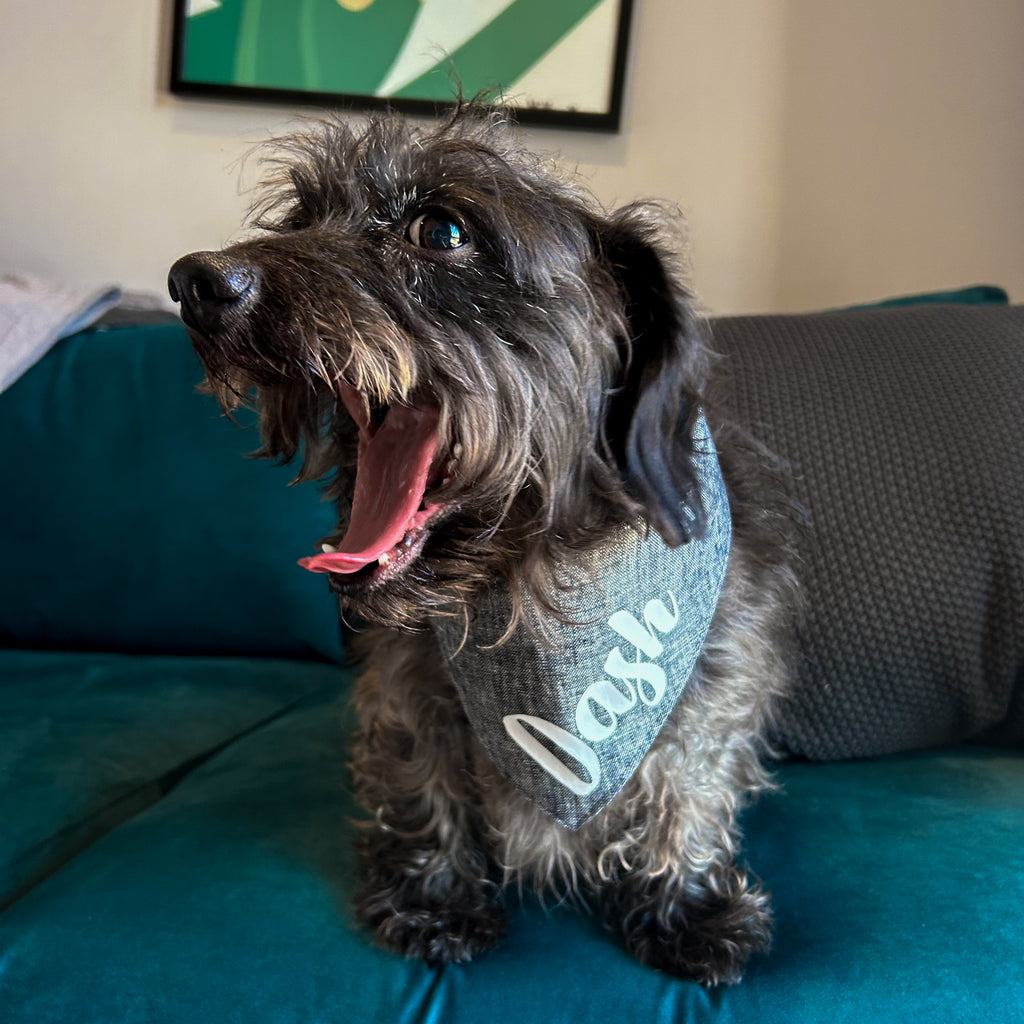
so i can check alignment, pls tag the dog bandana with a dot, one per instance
(567, 713)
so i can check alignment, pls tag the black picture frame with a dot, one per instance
(225, 59)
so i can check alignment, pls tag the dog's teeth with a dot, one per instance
(457, 451)
(384, 559)
(328, 548)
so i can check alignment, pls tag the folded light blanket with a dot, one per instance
(35, 313)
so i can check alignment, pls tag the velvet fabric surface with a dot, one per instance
(88, 741)
(898, 887)
(134, 521)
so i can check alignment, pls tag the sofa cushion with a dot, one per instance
(904, 433)
(897, 887)
(88, 741)
(972, 295)
(134, 523)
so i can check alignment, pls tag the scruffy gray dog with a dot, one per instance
(495, 377)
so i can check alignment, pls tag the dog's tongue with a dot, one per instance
(391, 479)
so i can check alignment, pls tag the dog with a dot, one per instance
(494, 377)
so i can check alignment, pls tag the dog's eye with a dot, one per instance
(436, 230)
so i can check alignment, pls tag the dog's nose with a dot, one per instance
(212, 287)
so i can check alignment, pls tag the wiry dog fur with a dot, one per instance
(568, 366)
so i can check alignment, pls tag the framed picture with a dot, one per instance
(556, 62)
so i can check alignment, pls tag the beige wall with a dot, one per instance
(904, 148)
(824, 152)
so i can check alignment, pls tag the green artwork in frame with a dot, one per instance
(559, 62)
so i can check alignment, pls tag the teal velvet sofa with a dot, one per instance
(175, 834)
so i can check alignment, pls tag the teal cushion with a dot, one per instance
(897, 884)
(973, 295)
(133, 522)
(88, 741)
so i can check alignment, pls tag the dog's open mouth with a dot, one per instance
(398, 464)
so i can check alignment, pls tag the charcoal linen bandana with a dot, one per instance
(568, 719)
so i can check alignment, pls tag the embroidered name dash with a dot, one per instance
(568, 720)
(640, 680)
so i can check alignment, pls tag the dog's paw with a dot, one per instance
(452, 928)
(707, 939)
(445, 936)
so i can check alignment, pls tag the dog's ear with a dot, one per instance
(650, 417)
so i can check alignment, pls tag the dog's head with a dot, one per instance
(489, 371)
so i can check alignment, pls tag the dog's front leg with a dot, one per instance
(678, 897)
(425, 889)
(700, 925)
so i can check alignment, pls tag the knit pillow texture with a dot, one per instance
(903, 433)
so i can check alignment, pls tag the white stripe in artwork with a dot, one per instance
(576, 73)
(439, 29)
(194, 7)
